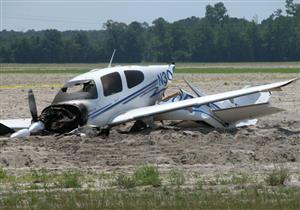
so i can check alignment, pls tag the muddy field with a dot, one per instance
(274, 141)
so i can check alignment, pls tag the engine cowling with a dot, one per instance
(62, 118)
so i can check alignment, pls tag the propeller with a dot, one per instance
(36, 125)
(32, 106)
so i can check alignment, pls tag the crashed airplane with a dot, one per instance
(107, 97)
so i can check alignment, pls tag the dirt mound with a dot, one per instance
(170, 145)
(274, 140)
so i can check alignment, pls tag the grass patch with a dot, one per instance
(43, 71)
(40, 176)
(142, 176)
(69, 179)
(147, 175)
(240, 179)
(125, 182)
(176, 177)
(33, 176)
(125, 193)
(3, 174)
(234, 179)
(154, 198)
(277, 177)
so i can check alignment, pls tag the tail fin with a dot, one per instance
(172, 67)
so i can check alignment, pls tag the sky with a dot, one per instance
(23, 15)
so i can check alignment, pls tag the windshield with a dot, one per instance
(77, 90)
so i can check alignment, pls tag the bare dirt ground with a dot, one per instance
(274, 141)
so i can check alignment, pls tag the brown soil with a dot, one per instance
(274, 140)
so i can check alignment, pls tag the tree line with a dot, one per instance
(216, 37)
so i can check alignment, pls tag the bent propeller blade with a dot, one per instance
(32, 106)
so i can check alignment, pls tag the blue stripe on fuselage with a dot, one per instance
(99, 110)
(157, 91)
(133, 95)
(146, 90)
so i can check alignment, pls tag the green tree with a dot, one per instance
(290, 7)
(159, 42)
(216, 13)
(51, 46)
(214, 38)
(114, 39)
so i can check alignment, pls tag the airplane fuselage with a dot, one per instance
(119, 89)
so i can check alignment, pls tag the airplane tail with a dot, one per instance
(172, 67)
(236, 112)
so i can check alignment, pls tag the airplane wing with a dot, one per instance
(17, 123)
(163, 108)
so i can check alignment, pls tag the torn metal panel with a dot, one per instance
(63, 118)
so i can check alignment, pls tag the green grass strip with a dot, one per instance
(30, 86)
(178, 70)
(236, 70)
(44, 71)
(161, 198)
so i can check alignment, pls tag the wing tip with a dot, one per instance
(283, 84)
(290, 81)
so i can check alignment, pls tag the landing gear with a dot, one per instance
(138, 126)
(105, 132)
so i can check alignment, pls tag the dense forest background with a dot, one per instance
(213, 38)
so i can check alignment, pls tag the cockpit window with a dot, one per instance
(77, 90)
(81, 86)
(134, 78)
(111, 83)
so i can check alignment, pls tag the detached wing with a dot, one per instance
(163, 108)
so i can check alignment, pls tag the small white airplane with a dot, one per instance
(114, 95)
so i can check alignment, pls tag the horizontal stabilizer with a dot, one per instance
(235, 114)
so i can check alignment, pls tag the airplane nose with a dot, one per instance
(62, 118)
(36, 127)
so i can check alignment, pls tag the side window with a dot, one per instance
(111, 83)
(133, 78)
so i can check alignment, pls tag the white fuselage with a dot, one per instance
(125, 88)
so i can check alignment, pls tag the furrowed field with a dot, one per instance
(288, 67)
(168, 167)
